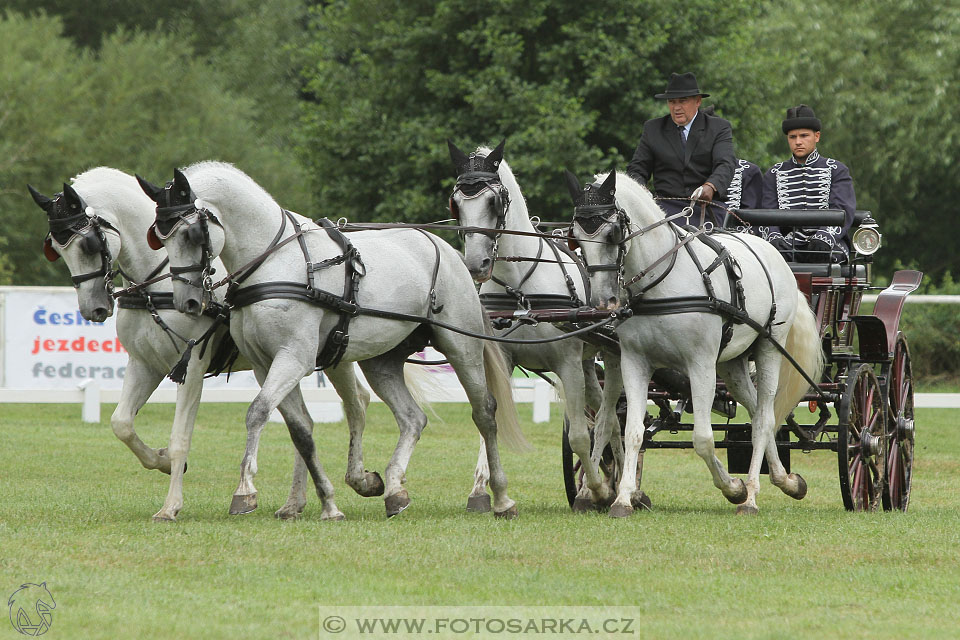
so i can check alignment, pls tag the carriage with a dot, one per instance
(867, 380)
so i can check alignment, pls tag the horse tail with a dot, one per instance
(803, 344)
(498, 384)
(419, 380)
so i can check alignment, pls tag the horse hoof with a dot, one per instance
(509, 514)
(620, 511)
(396, 503)
(335, 517)
(287, 513)
(640, 500)
(740, 496)
(801, 487)
(243, 504)
(583, 505)
(373, 485)
(747, 510)
(479, 503)
(162, 517)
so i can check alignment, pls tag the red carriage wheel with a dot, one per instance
(861, 440)
(900, 432)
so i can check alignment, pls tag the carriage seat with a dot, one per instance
(787, 218)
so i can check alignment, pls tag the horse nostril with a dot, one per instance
(193, 307)
(613, 302)
(486, 264)
(99, 314)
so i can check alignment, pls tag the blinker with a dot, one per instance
(48, 251)
(153, 240)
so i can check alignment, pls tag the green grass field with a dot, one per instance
(76, 506)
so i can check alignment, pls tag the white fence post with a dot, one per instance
(542, 395)
(91, 400)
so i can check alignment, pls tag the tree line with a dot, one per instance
(343, 108)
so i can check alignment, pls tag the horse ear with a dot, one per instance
(497, 154)
(459, 158)
(609, 186)
(42, 201)
(152, 190)
(73, 198)
(573, 184)
(181, 183)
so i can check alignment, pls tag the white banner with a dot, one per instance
(48, 345)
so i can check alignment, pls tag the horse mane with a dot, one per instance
(510, 182)
(634, 198)
(218, 181)
(110, 190)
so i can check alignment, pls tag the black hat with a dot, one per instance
(681, 85)
(800, 117)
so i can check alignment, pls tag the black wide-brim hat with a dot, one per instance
(800, 117)
(681, 85)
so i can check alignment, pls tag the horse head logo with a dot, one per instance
(30, 609)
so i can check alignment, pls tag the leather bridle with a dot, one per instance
(89, 232)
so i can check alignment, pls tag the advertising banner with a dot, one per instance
(48, 345)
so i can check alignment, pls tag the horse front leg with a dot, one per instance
(636, 380)
(284, 374)
(185, 418)
(139, 381)
(300, 427)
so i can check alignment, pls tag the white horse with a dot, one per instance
(289, 308)
(629, 246)
(545, 276)
(101, 221)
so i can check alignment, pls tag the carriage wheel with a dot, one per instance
(896, 494)
(572, 474)
(861, 440)
(572, 467)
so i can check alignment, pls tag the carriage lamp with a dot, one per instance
(866, 239)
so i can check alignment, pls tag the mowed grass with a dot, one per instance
(76, 506)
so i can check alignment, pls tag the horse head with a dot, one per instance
(87, 243)
(183, 226)
(599, 227)
(479, 200)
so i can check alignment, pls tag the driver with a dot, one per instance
(809, 181)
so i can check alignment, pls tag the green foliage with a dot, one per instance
(569, 84)
(884, 77)
(66, 110)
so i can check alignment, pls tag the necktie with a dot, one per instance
(683, 137)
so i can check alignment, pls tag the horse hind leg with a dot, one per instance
(479, 500)
(385, 375)
(485, 386)
(355, 401)
(702, 390)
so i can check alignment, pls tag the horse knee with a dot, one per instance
(257, 413)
